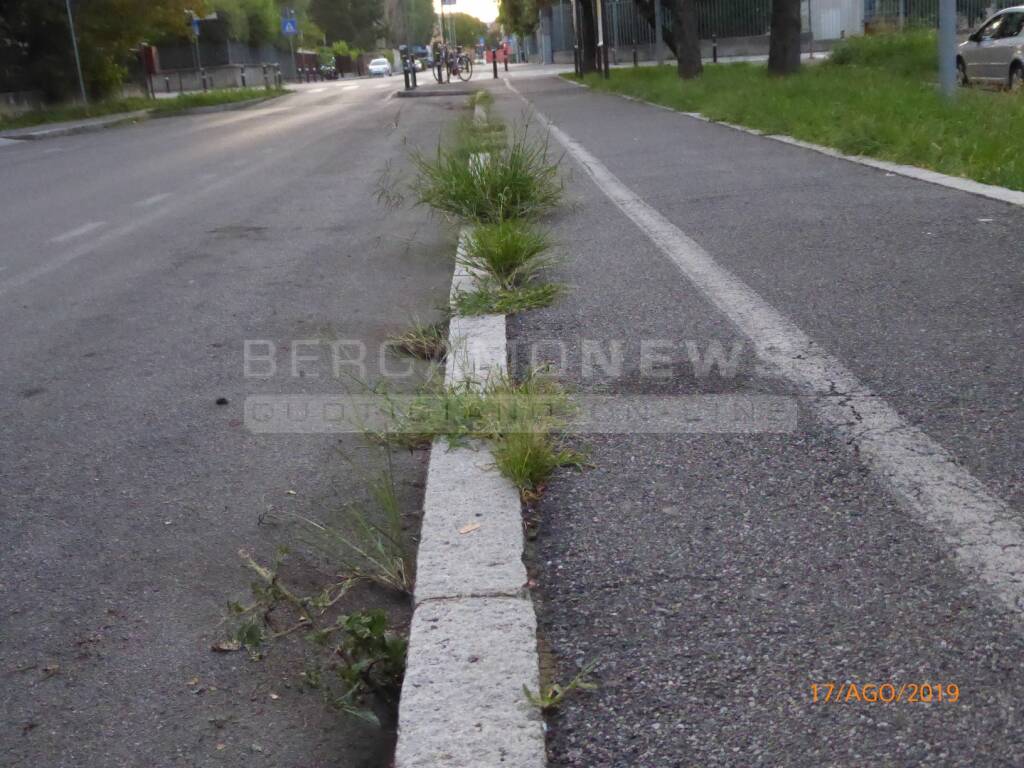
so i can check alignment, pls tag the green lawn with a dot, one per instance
(877, 97)
(159, 107)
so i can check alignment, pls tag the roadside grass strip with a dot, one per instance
(875, 97)
(157, 107)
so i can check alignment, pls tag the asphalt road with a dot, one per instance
(714, 578)
(134, 264)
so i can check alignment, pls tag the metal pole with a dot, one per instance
(494, 60)
(603, 18)
(947, 46)
(810, 29)
(659, 53)
(291, 47)
(74, 46)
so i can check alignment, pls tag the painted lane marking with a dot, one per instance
(924, 478)
(316, 90)
(77, 232)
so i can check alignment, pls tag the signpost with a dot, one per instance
(290, 28)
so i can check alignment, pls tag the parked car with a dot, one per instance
(994, 55)
(380, 67)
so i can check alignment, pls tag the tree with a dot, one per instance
(359, 22)
(588, 35)
(518, 16)
(467, 29)
(684, 29)
(35, 38)
(784, 44)
(646, 9)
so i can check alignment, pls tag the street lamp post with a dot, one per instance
(74, 47)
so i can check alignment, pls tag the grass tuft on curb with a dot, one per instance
(490, 299)
(516, 180)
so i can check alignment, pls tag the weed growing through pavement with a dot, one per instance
(510, 253)
(518, 179)
(361, 663)
(550, 697)
(521, 420)
(427, 342)
(487, 299)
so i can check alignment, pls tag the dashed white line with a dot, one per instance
(923, 477)
(316, 90)
(77, 232)
(349, 87)
(153, 200)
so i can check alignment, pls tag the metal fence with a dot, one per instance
(897, 13)
(827, 19)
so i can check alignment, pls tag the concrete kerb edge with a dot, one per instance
(990, 191)
(473, 638)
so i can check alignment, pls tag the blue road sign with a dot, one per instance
(195, 26)
(289, 27)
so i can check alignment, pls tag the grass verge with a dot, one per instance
(875, 97)
(490, 299)
(160, 107)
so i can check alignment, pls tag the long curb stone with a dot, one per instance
(473, 639)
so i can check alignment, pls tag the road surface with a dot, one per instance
(134, 264)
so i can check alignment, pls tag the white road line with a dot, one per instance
(349, 87)
(77, 232)
(9, 142)
(152, 200)
(316, 90)
(922, 475)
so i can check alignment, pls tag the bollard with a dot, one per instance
(714, 49)
(181, 85)
(412, 69)
(243, 76)
(506, 61)
(405, 73)
(266, 80)
(202, 73)
(167, 84)
(576, 61)
(636, 58)
(494, 59)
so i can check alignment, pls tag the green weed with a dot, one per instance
(508, 253)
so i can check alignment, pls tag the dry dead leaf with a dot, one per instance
(469, 528)
(226, 646)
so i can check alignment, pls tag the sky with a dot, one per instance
(485, 10)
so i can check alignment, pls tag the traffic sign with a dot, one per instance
(289, 27)
(195, 26)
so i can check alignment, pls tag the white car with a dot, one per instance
(994, 55)
(380, 67)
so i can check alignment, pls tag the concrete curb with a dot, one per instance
(473, 640)
(420, 93)
(992, 192)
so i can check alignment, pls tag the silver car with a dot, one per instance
(994, 55)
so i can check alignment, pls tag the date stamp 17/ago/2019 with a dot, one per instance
(884, 693)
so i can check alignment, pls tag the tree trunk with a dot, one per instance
(588, 31)
(646, 9)
(684, 28)
(784, 46)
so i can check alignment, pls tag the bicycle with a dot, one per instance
(455, 63)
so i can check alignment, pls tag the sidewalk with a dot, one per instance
(715, 577)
